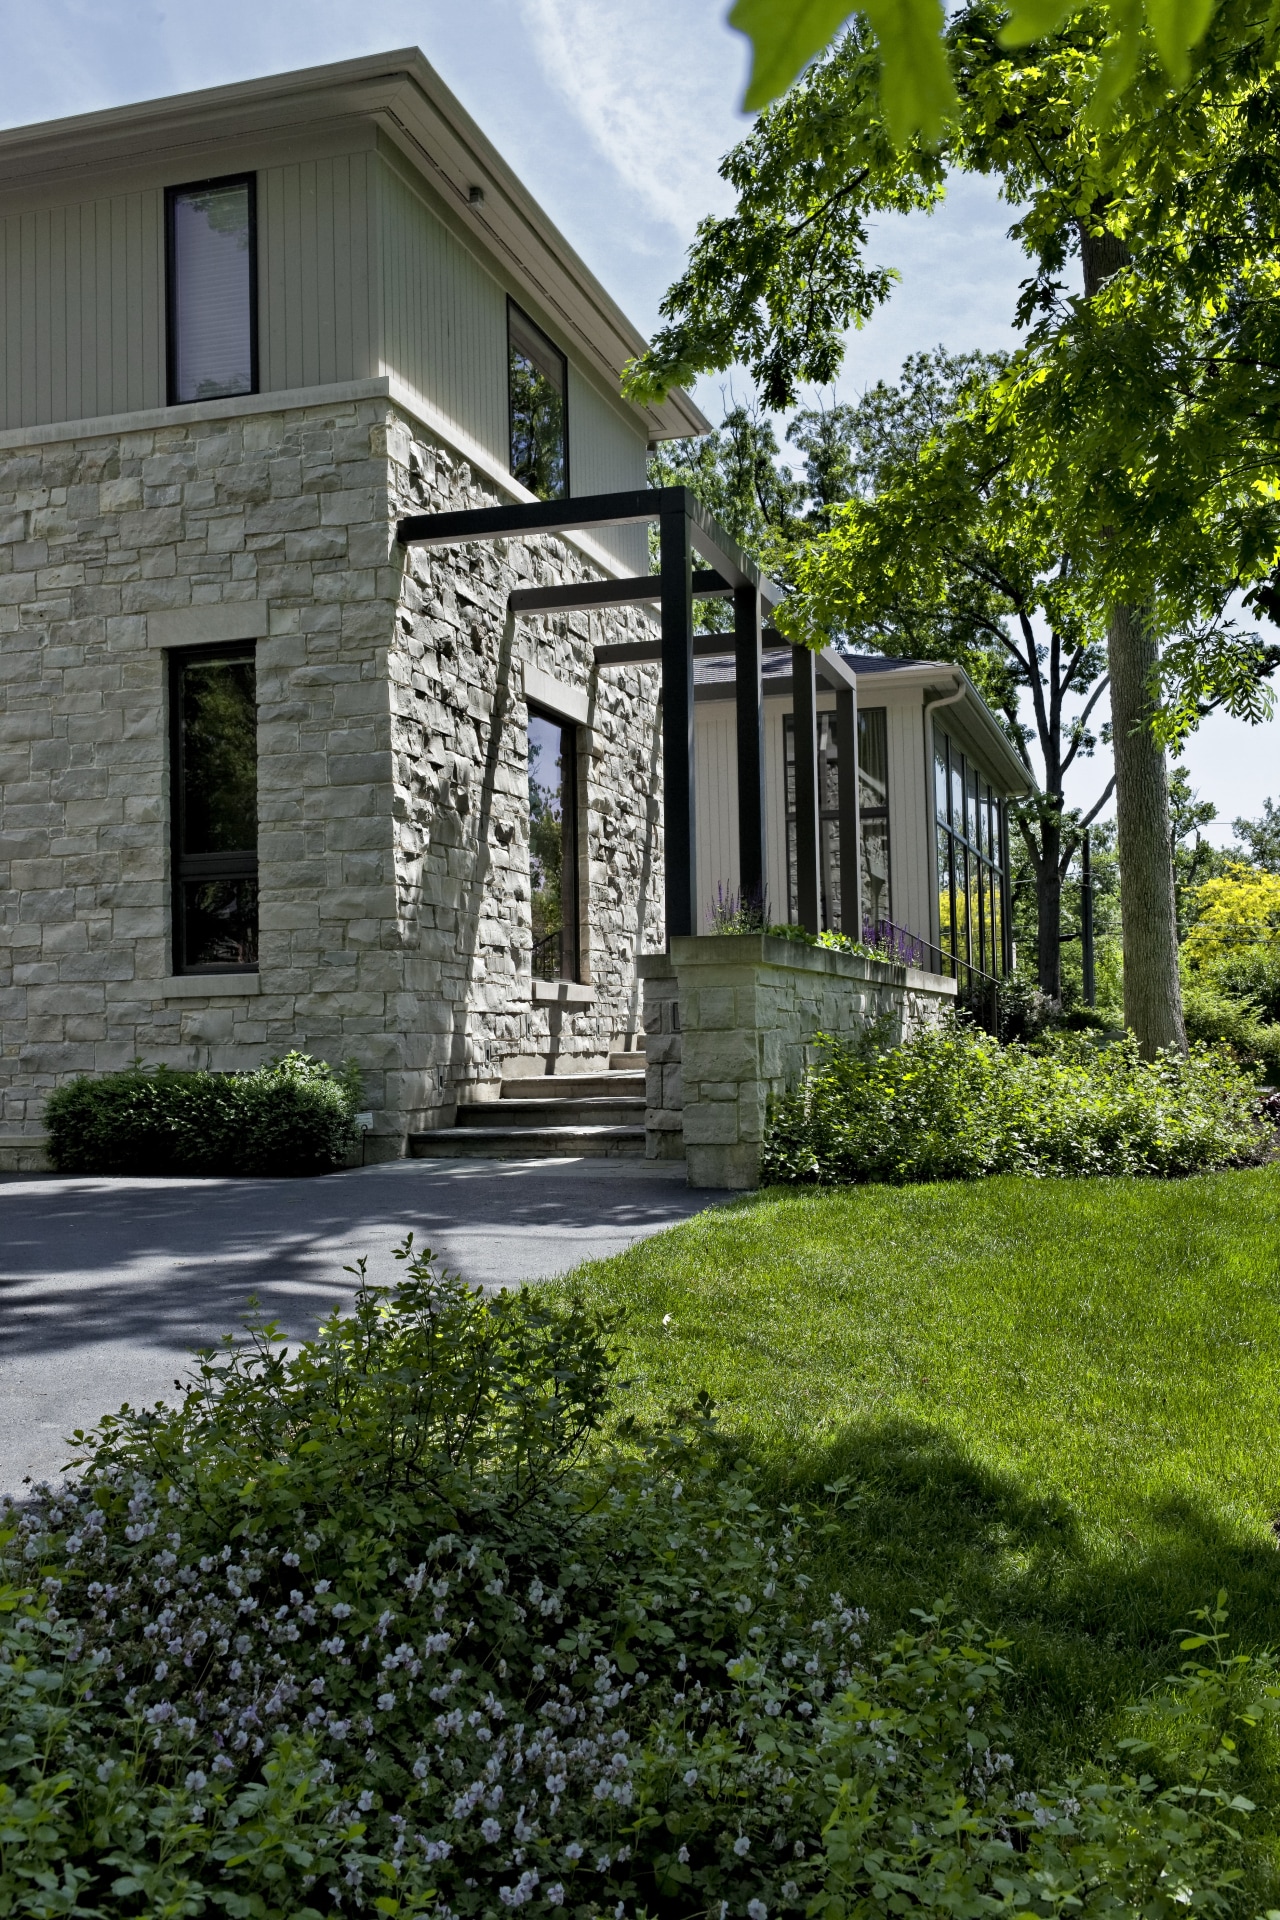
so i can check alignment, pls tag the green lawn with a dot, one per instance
(1055, 1402)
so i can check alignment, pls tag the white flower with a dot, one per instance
(195, 1781)
(106, 1770)
(790, 1891)
(574, 1850)
(554, 1895)
(385, 1702)
(742, 1846)
(365, 1803)
(683, 1856)
(757, 1910)
(491, 1830)
(691, 1777)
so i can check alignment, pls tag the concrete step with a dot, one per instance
(617, 1111)
(576, 1086)
(632, 1058)
(524, 1143)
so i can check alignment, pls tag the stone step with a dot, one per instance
(521, 1143)
(633, 1057)
(484, 1116)
(576, 1086)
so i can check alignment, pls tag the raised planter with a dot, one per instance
(729, 1023)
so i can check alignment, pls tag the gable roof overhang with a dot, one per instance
(222, 129)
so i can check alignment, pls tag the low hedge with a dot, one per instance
(295, 1115)
(387, 1626)
(954, 1104)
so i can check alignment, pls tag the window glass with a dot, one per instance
(946, 919)
(873, 757)
(828, 817)
(215, 789)
(957, 789)
(940, 773)
(212, 325)
(553, 864)
(539, 430)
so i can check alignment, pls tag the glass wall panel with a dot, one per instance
(946, 911)
(539, 399)
(940, 782)
(828, 818)
(215, 811)
(873, 797)
(212, 291)
(553, 846)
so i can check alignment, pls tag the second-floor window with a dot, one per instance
(212, 291)
(539, 408)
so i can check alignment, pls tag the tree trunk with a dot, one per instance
(1148, 918)
(1049, 910)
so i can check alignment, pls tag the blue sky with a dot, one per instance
(615, 113)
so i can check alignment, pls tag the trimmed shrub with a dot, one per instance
(954, 1104)
(1213, 1012)
(292, 1116)
(369, 1628)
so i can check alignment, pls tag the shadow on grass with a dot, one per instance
(905, 1518)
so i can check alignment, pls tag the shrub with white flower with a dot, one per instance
(384, 1626)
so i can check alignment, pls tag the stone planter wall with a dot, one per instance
(729, 1023)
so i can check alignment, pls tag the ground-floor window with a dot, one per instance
(553, 845)
(972, 852)
(873, 817)
(214, 724)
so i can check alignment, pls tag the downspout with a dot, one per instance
(930, 708)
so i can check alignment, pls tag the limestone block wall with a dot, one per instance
(393, 859)
(729, 1021)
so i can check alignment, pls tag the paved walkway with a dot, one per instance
(108, 1285)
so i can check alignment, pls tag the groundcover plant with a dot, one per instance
(385, 1625)
(953, 1104)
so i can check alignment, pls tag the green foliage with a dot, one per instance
(369, 1628)
(951, 1103)
(295, 1115)
(1213, 1013)
(1261, 838)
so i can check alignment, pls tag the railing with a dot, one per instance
(979, 993)
(545, 957)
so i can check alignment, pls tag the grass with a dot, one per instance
(1054, 1402)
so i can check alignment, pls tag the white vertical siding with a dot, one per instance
(82, 317)
(607, 454)
(715, 775)
(317, 272)
(911, 868)
(444, 318)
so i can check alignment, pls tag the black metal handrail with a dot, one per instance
(544, 957)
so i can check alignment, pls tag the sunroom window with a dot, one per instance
(539, 408)
(212, 268)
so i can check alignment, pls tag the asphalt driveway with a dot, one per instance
(107, 1286)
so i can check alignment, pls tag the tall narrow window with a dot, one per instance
(972, 863)
(214, 716)
(553, 846)
(828, 818)
(873, 801)
(213, 290)
(539, 408)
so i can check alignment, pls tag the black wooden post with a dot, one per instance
(749, 698)
(678, 821)
(804, 708)
(850, 826)
(1086, 921)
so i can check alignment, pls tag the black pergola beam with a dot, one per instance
(679, 824)
(847, 800)
(584, 595)
(583, 512)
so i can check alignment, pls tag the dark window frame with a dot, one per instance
(186, 867)
(171, 195)
(513, 306)
(570, 840)
(965, 849)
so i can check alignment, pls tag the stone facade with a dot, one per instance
(729, 1024)
(392, 782)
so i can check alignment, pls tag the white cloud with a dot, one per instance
(654, 88)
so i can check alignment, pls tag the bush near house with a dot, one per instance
(370, 1628)
(1231, 966)
(295, 1115)
(952, 1103)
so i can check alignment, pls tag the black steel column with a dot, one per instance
(749, 698)
(804, 707)
(679, 842)
(850, 836)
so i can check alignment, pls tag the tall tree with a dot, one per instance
(941, 554)
(778, 282)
